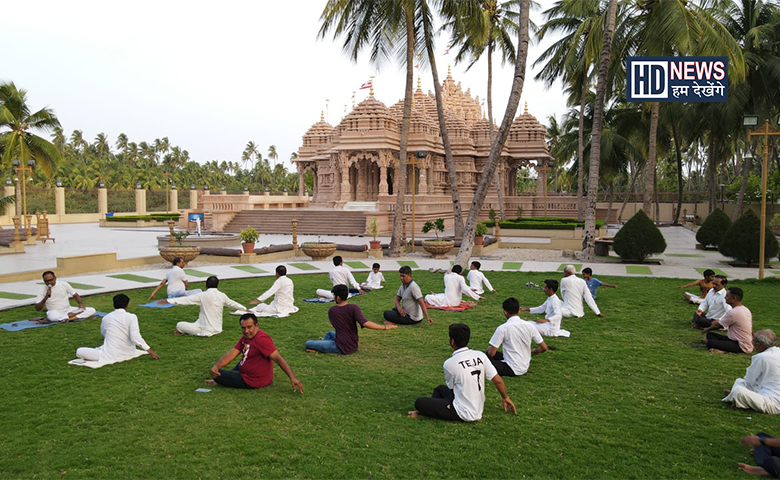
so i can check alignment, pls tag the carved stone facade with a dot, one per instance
(357, 160)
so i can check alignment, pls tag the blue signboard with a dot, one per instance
(677, 79)
(194, 217)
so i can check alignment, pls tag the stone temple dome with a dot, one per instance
(320, 133)
(370, 114)
(527, 131)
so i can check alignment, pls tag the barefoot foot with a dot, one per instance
(308, 350)
(210, 383)
(726, 392)
(178, 333)
(752, 469)
(715, 350)
(413, 414)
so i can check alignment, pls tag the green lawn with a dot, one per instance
(625, 396)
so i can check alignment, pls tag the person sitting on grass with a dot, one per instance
(477, 279)
(211, 302)
(463, 396)
(516, 336)
(738, 321)
(714, 305)
(282, 291)
(177, 282)
(345, 318)
(454, 288)
(766, 451)
(340, 275)
(704, 284)
(760, 389)
(255, 370)
(120, 336)
(409, 303)
(55, 297)
(594, 283)
(573, 291)
(375, 279)
(550, 325)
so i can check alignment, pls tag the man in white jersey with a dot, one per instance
(177, 281)
(211, 302)
(340, 275)
(516, 336)
(282, 291)
(454, 288)
(550, 325)
(573, 291)
(55, 297)
(463, 397)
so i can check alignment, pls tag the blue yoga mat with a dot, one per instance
(154, 304)
(25, 324)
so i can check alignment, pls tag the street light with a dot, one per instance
(18, 167)
(419, 155)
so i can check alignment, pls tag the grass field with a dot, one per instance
(625, 396)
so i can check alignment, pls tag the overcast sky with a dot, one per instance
(209, 76)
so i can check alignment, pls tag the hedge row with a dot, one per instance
(135, 218)
(542, 225)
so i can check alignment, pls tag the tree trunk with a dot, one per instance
(647, 199)
(712, 177)
(499, 193)
(581, 153)
(449, 161)
(467, 244)
(676, 139)
(634, 177)
(656, 209)
(741, 197)
(589, 241)
(395, 238)
(609, 205)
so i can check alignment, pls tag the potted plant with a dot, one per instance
(437, 247)
(318, 250)
(479, 234)
(775, 223)
(248, 238)
(373, 229)
(177, 248)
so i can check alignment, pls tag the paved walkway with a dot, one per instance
(681, 260)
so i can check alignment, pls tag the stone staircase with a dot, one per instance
(310, 222)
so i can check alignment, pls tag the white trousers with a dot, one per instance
(546, 329)
(60, 315)
(743, 397)
(324, 294)
(91, 354)
(189, 328)
(438, 300)
(693, 298)
(567, 312)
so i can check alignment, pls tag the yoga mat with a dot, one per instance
(407, 263)
(91, 364)
(318, 300)
(134, 278)
(154, 304)
(512, 265)
(15, 296)
(303, 266)
(460, 308)
(356, 264)
(39, 322)
(577, 266)
(196, 273)
(716, 270)
(80, 286)
(249, 269)
(639, 269)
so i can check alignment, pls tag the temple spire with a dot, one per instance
(322, 115)
(419, 83)
(526, 107)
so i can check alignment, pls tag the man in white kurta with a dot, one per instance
(176, 280)
(340, 275)
(282, 291)
(760, 389)
(573, 291)
(211, 302)
(477, 279)
(714, 305)
(454, 288)
(121, 335)
(55, 296)
(550, 325)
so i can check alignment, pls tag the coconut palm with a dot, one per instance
(272, 154)
(19, 130)
(121, 143)
(379, 26)
(250, 152)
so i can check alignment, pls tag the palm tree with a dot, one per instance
(121, 143)
(250, 152)
(21, 140)
(467, 244)
(378, 25)
(272, 154)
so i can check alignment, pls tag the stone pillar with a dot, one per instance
(174, 199)
(140, 201)
(59, 201)
(8, 191)
(193, 199)
(540, 180)
(383, 180)
(360, 191)
(423, 186)
(301, 185)
(296, 251)
(345, 190)
(102, 201)
(222, 191)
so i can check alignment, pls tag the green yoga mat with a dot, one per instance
(15, 296)
(408, 263)
(249, 269)
(356, 264)
(196, 273)
(639, 269)
(512, 265)
(577, 266)
(134, 278)
(80, 286)
(716, 270)
(303, 266)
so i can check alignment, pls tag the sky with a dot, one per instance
(212, 79)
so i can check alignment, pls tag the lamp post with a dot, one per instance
(419, 156)
(18, 167)
(765, 132)
(546, 167)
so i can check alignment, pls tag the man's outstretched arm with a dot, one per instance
(499, 383)
(276, 357)
(223, 362)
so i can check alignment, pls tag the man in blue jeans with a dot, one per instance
(345, 317)
(766, 450)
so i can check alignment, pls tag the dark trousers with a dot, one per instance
(767, 458)
(701, 321)
(439, 405)
(231, 378)
(502, 368)
(395, 317)
(722, 342)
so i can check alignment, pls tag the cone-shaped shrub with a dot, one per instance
(638, 239)
(713, 228)
(742, 240)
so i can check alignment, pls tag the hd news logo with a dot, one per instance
(677, 79)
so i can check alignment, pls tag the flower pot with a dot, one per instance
(438, 248)
(374, 244)
(248, 247)
(319, 251)
(479, 240)
(187, 253)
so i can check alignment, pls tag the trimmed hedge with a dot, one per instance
(135, 218)
(713, 228)
(742, 240)
(638, 239)
(542, 224)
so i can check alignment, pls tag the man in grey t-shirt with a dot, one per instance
(409, 303)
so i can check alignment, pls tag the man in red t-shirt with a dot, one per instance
(255, 369)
